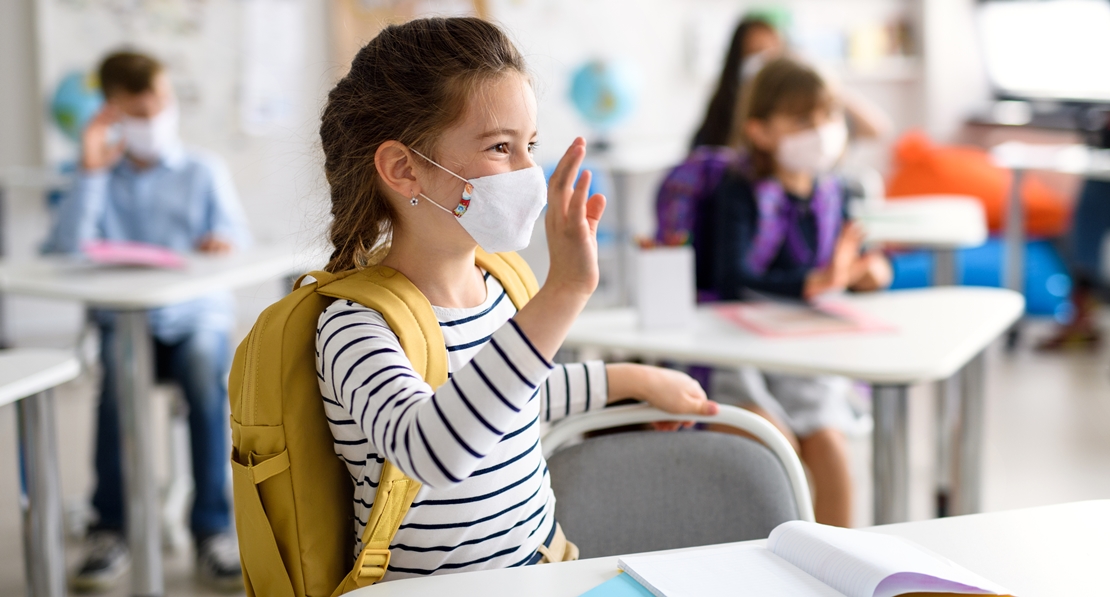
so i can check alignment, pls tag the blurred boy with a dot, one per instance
(143, 185)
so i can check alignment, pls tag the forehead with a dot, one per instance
(504, 102)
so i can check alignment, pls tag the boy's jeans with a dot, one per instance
(199, 364)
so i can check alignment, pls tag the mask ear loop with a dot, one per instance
(467, 194)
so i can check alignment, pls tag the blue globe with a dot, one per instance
(604, 93)
(76, 100)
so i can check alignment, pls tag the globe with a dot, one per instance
(603, 93)
(76, 100)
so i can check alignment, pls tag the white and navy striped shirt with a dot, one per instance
(474, 443)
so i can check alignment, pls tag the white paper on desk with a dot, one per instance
(807, 559)
(862, 564)
(730, 570)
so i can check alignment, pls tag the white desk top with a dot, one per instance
(70, 278)
(1038, 552)
(938, 330)
(933, 222)
(27, 371)
(1069, 159)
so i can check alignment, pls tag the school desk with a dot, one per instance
(27, 377)
(1035, 552)
(1020, 157)
(131, 292)
(941, 224)
(936, 333)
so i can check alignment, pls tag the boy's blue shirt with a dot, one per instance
(174, 203)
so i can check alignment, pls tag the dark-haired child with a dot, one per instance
(149, 187)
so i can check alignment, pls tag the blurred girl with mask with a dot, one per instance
(775, 224)
(138, 182)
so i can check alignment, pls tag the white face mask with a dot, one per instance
(498, 211)
(750, 66)
(151, 139)
(813, 151)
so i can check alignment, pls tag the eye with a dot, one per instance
(532, 146)
(501, 147)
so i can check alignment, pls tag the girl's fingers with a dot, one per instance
(595, 207)
(576, 208)
(565, 172)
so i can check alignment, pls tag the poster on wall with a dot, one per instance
(272, 61)
(355, 22)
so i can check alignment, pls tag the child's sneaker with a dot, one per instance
(106, 560)
(218, 563)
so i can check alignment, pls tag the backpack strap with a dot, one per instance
(405, 309)
(513, 272)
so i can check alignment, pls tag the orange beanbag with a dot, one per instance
(923, 168)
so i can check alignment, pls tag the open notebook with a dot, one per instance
(807, 559)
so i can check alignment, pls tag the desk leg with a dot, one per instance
(948, 405)
(136, 369)
(944, 267)
(43, 552)
(1014, 262)
(967, 441)
(891, 453)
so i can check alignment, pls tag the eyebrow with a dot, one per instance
(502, 132)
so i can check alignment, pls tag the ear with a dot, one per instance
(394, 163)
(759, 133)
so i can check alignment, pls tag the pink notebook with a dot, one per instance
(110, 252)
(782, 319)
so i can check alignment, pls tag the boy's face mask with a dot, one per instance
(151, 139)
(813, 151)
(498, 211)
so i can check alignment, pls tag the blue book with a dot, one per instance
(621, 585)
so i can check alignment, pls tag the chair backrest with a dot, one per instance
(646, 490)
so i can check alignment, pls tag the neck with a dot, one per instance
(138, 164)
(799, 184)
(445, 275)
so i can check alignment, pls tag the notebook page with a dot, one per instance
(726, 570)
(861, 564)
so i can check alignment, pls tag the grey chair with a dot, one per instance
(647, 490)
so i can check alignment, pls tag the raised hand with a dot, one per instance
(571, 223)
(97, 153)
(572, 218)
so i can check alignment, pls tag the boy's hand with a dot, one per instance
(666, 389)
(571, 223)
(214, 245)
(96, 152)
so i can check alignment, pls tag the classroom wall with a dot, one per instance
(672, 48)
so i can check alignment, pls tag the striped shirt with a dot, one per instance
(486, 501)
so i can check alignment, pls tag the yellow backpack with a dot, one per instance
(293, 496)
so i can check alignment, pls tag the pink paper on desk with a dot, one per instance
(132, 253)
(778, 320)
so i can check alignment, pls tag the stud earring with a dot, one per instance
(414, 201)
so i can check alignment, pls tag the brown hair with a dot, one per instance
(717, 125)
(129, 72)
(783, 86)
(408, 84)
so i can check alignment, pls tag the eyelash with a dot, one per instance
(531, 147)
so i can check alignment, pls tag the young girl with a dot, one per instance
(775, 225)
(428, 143)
